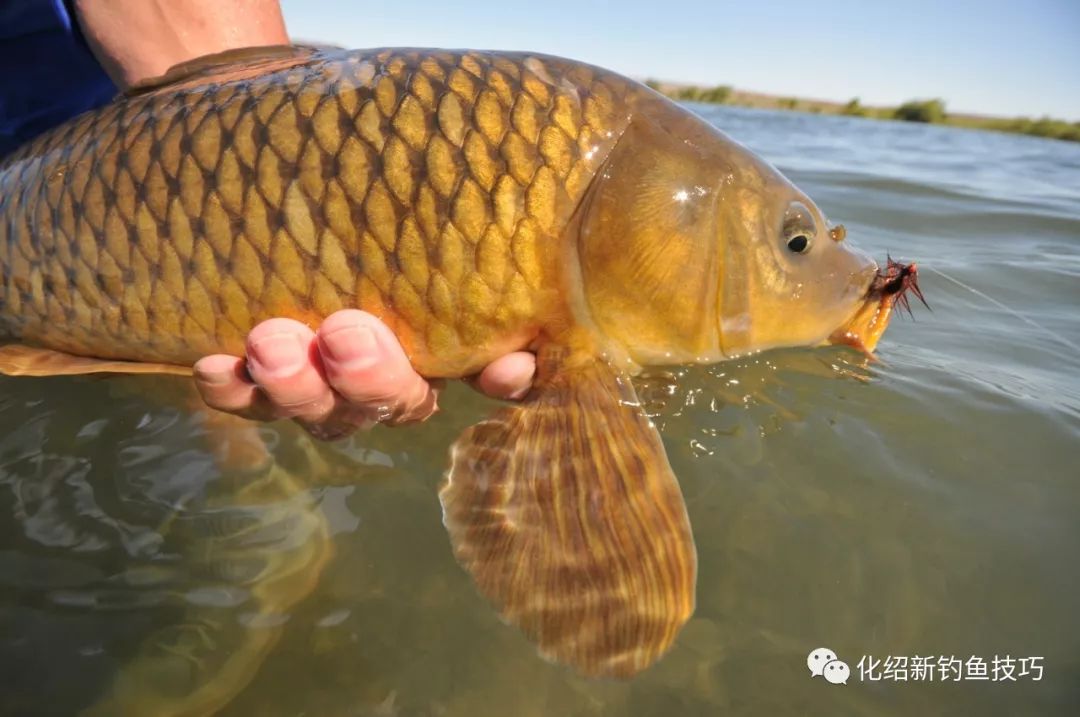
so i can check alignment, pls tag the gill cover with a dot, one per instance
(647, 244)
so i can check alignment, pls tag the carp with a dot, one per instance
(478, 203)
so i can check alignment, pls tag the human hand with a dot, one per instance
(349, 374)
(138, 39)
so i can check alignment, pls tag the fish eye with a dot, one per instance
(799, 228)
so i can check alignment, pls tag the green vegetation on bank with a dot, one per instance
(854, 108)
(1045, 127)
(931, 111)
(719, 95)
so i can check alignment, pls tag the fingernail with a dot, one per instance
(212, 378)
(279, 353)
(520, 393)
(352, 347)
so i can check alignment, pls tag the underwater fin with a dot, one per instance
(564, 510)
(21, 360)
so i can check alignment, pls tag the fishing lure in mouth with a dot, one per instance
(897, 280)
(888, 289)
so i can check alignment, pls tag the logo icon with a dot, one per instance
(824, 663)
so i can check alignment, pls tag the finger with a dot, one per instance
(282, 361)
(342, 422)
(508, 377)
(366, 365)
(223, 383)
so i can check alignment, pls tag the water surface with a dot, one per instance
(926, 505)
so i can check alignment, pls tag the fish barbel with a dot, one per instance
(478, 203)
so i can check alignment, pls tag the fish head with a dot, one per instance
(787, 277)
(693, 249)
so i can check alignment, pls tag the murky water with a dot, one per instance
(928, 505)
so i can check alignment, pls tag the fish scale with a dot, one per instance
(430, 188)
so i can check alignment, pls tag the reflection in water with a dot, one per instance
(224, 540)
(925, 504)
(246, 551)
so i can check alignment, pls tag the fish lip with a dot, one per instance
(887, 289)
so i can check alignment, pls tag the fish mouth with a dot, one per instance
(888, 289)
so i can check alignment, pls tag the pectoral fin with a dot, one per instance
(20, 360)
(566, 513)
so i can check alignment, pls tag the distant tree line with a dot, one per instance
(1045, 127)
(718, 95)
(931, 111)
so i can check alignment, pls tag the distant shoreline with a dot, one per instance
(929, 111)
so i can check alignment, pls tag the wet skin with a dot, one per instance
(350, 373)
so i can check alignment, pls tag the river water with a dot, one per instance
(924, 507)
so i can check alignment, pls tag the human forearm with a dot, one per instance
(137, 39)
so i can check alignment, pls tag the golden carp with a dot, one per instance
(478, 203)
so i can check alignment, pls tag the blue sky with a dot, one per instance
(993, 57)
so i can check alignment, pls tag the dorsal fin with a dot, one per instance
(230, 64)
